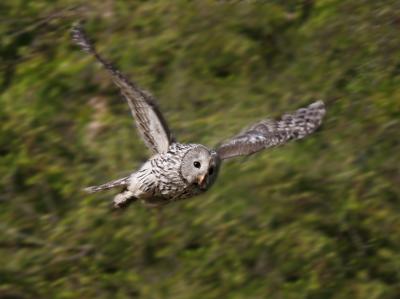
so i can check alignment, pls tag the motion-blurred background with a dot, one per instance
(318, 218)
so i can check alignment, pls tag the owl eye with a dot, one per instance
(210, 170)
(196, 164)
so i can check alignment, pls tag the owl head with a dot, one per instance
(200, 167)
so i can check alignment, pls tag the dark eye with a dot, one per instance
(210, 170)
(196, 164)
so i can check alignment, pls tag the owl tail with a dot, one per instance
(116, 183)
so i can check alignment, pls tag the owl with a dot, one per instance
(178, 171)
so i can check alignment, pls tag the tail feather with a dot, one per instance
(116, 183)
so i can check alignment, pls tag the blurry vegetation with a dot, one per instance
(319, 218)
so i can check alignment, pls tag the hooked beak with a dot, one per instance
(202, 181)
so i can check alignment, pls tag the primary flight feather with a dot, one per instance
(178, 171)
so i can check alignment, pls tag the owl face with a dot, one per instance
(200, 167)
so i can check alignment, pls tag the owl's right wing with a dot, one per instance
(269, 133)
(149, 120)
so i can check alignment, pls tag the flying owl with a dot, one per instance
(178, 171)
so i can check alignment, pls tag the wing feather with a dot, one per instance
(150, 123)
(269, 133)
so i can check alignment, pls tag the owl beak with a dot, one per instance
(202, 180)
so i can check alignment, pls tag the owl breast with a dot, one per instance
(160, 181)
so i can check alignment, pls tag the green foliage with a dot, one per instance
(315, 219)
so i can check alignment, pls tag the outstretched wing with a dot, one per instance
(270, 133)
(149, 120)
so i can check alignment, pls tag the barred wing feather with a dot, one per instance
(269, 133)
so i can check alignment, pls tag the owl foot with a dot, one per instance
(124, 199)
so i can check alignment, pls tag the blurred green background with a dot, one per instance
(318, 218)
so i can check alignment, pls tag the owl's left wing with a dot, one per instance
(149, 120)
(270, 133)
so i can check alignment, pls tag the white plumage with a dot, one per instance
(178, 171)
